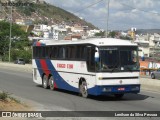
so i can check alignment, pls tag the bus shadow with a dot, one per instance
(60, 91)
(126, 97)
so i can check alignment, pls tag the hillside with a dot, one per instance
(44, 13)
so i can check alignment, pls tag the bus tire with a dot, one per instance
(83, 89)
(119, 96)
(45, 82)
(51, 83)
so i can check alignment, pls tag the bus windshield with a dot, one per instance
(122, 58)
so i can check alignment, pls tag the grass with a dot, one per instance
(5, 96)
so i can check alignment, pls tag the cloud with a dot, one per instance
(123, 13)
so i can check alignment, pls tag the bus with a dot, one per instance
(99, 66)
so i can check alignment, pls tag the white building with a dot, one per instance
(154, 42)
(91, 33)
(42, 27)
(59, 32)
(143, 47)
(24, 21)
(149, 44)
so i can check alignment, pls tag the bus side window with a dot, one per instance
(43, 52)
(61, 53)
(39, 52)
(54, 52)
(47, 52)
(80, 52)
(69, 52)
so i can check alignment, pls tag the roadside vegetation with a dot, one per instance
(20, 45)
(5, 96)
(7, 102)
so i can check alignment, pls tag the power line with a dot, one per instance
(139, 9)
(88, 6)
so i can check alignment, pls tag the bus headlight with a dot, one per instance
(135, 88)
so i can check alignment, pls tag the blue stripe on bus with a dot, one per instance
(60, 82)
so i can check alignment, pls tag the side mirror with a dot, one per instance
(96, 55)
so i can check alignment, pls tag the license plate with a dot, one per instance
(121, 89)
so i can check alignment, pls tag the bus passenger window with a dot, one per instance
(61, 53)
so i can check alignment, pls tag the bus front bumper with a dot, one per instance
(114, 89)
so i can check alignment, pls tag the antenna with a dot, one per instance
(108, 1)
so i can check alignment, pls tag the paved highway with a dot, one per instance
(20, 84)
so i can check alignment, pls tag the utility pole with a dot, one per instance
(10, 35)
(108, 1)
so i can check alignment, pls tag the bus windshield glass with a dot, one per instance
(121, 58)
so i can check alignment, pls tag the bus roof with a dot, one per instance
(94, 41)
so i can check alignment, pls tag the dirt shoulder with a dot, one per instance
(11, 103)
(13, 106)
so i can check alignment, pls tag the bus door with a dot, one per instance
(90, 59)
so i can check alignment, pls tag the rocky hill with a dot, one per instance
(43, 13)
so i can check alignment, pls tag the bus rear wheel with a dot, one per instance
(45, 82)
(83, 89)
(51, 83)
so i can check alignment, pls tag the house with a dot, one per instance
(23, 21)
(59, 32)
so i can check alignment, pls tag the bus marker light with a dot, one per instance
(121, 89)
(135, 88)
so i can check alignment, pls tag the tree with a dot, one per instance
(19, 39)
(112, 34)
(102, 34)
(126, 38)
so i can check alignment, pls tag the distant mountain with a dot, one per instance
(145, 31)
(43, 13)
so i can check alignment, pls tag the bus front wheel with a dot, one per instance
(83, 89)
(45, 82)
(51, 83)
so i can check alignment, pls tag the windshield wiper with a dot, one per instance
(128, 68)
(114, 67)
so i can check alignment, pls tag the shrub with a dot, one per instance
(4, 96)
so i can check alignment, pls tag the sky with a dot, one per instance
(123, 14)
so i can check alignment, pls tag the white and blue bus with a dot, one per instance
(99, 66)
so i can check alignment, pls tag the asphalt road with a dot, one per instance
(20, 84)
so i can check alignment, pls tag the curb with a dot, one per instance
(12, 66)
(150, 84)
